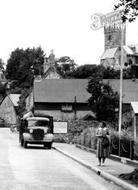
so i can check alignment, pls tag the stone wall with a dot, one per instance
(75, 128)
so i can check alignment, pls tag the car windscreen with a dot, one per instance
(38, 123)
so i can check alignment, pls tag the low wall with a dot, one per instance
(75, 128)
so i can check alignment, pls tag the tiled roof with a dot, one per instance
(130, 89)
(135, 107)
(109, 53)
(61, 90)
(14, 98)
(65, 90)
(128, 50)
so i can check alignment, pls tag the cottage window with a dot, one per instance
(66, 107)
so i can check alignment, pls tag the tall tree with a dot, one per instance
(103, 100)
(130, 9)
(20, 64)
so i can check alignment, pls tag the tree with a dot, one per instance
(21, 109)
(65, 65)
(86, 71)
(103, 100)
(130, 9)
(20, 64)
(2, 65)
(2, 90)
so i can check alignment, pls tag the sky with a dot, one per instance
(61, 25)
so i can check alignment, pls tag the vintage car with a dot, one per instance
(36, 130)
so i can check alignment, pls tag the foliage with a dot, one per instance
(88, 139)
(2, 65)
(65, 65)
(2, 90)
(88, 71)
(22, 64)
(103, 100)
(132, 176)
(21, 109)
(130, 9)
(75, 129)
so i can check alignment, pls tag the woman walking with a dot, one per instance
(102, 143)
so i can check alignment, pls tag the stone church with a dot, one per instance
(112, 49)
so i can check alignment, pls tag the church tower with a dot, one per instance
(113, 36)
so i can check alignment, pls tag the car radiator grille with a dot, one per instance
(38, 134)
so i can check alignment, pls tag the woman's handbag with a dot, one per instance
(105, 142)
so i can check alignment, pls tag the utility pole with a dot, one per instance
(75, 111)
(113, 19)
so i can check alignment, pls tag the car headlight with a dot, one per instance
(45, 130)
(31, 130)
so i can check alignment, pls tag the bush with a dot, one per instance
(88, 136)
(61, 138)
(84, 133)
(136, 151)
(127, 148)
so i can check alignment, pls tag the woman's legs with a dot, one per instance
(103, 160)
(99, 158)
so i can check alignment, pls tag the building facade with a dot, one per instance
(8, 109)
(64, 99)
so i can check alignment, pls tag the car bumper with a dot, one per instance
(29, 138)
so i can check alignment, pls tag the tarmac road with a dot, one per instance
(36, 168)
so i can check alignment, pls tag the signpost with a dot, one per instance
(60, 127)
(112, 19)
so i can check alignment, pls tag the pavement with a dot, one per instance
(110, 171)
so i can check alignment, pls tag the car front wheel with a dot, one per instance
(25, 144)
(21, 142)
(48, 145)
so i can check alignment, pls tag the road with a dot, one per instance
(36, 168)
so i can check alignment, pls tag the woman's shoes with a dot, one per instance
(101, 164)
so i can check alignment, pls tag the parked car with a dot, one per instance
(36, 130)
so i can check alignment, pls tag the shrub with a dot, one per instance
(136, 150)
(88, 138)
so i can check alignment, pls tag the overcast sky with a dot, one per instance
(62, 25)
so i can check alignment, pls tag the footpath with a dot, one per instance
(111, 170)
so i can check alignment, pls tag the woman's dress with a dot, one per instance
(101, 151)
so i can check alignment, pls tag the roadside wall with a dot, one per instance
(75, 129)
